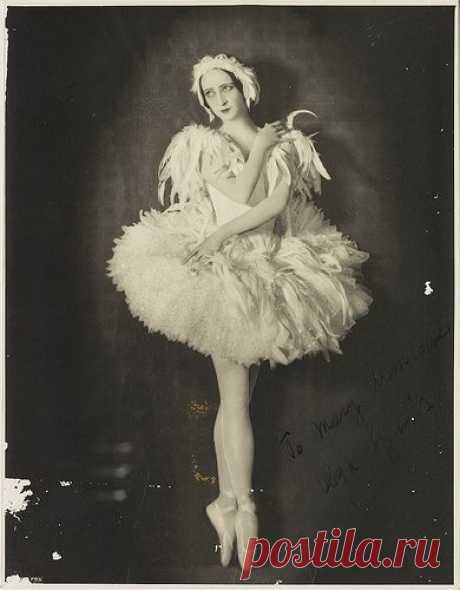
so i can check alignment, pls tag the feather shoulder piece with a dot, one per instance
(297, 162)
(181, 163)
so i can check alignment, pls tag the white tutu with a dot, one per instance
(262, 296)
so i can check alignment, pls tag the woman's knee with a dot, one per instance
(235, 404)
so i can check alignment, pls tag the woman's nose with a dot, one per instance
(221, 98)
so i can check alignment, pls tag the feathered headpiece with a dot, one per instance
(244, 74)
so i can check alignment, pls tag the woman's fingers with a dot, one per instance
(197, 256)
(190, 255)
(278, 130)
(278, 124)
(279, 127)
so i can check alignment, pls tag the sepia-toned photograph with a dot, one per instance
(229, 303)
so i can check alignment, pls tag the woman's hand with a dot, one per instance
(270, 135)
(207, 248)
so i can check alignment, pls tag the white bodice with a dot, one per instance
(227, 209)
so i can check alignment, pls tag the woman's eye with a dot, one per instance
(209, 93)
(228, 88)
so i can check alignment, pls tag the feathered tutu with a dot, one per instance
(273, 294)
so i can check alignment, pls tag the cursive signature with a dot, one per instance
(333, 475)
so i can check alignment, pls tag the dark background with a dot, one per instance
(93, 98)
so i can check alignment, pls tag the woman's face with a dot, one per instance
(222, 96)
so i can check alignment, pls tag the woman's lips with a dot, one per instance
(225, 110)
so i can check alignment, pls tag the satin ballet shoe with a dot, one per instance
(246, 526)
(223, 520)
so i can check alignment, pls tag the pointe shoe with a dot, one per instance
(223, 520)
(246, 526)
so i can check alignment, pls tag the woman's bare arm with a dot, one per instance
(254, 217)
(241, 187)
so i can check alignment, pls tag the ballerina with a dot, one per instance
(242, 266)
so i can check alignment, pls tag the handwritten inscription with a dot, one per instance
(324, 426)
(381, 440)
(331, 476)
(293, 450)
(379, 379)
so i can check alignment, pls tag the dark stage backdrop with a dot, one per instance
(93, 97)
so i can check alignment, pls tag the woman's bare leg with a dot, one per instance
(237, 442)
(234, 425)
(226, 492)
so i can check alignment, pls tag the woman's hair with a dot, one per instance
(243, 76)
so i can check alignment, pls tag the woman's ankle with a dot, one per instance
(246, 502)
(226, 500)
